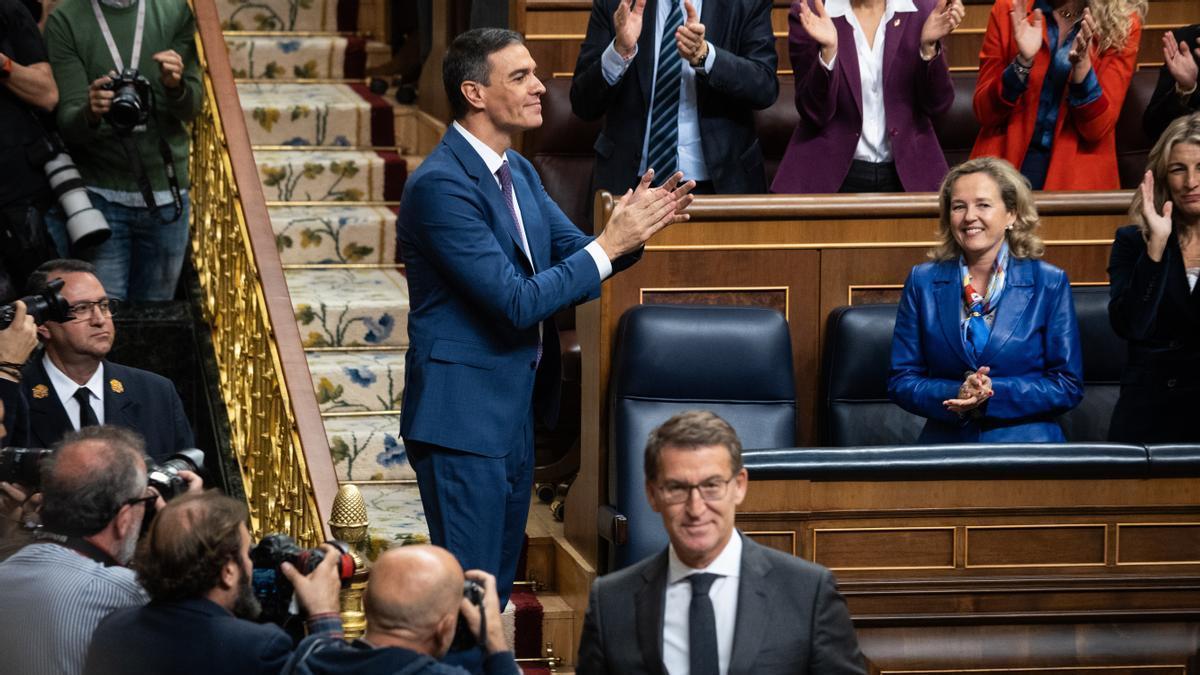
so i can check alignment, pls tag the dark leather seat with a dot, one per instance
(1104, 356)
(973, 461)
(561, 151)
(858, 347)
(957, 128)
(734, 361)
(1132, 144)
(857, 357)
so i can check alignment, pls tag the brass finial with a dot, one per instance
(349, 520)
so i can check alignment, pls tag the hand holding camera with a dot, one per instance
(16, 342)
(494, 641)
(317, 592)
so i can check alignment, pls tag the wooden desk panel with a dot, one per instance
(811, 253)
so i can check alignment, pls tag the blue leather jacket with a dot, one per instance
(1033, 352)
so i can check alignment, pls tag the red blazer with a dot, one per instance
(1084, 154)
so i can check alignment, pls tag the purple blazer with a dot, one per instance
(830, 105)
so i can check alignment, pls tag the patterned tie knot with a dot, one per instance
(505, 175)
(701, 582)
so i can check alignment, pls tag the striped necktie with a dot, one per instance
(662, 152)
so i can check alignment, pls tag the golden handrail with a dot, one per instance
(275, 423)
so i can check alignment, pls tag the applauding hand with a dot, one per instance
(946, 16)
(975, 390)
(1081, 48)
(1181, 62)
(1158, 225)
(819, 26)
(640, 213)
(1028, 35)
(689, 37)
(627, 21)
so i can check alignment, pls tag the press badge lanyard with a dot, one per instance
(112, 45)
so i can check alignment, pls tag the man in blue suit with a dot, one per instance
(490, 259)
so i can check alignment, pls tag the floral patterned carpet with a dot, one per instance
(325, 154)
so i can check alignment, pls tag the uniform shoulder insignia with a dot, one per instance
(116, 386)
(41, 391)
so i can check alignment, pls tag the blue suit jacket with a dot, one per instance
(476, 304)
(133, 398)
(1034, 354)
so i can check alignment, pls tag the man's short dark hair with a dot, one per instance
(188, 543)
(690, 430)
(81, 503)
(467, 61)
(41, 276)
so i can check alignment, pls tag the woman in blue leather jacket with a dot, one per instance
(986, 344)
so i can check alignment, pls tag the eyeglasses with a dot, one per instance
(81, 311)
(711, 490)
(148, 500)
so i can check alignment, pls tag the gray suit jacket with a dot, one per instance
(790, 619)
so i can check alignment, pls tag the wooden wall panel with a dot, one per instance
(885, 548)
(1041, 545)
(1158, 544)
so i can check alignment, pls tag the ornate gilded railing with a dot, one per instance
(275, 423)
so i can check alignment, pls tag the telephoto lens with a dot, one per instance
(165, 477)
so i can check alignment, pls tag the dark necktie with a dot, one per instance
(702, 628)
(504, 173)
(662, 151)
(87, 416)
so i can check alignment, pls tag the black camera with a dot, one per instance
(48, 305)
(463, 638)
(131, 104)
(272, 588)
(22, 465)
(165, 477)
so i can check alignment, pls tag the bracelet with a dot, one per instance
(1021, 69)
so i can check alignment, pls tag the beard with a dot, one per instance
(246, 605)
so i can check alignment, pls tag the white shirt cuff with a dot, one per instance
(710, 57)
(603, 264)
(828, 66)
(613, 65)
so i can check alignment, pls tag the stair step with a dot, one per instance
(329, 175)
(287, 113)
(292, 15)
(357, 381)
(350, 307)
(558, 626)
(334, 234)
(368, 448)
(309, 56)
(396, 514)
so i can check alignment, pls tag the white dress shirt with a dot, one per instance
(691, 154)
(873, 144)
(493, 162)
(724, 595)
(65, 388)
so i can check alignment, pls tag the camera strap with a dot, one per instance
(80, 545)
(135, 56)
(143, 179)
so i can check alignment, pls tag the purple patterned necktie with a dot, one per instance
(506, 186)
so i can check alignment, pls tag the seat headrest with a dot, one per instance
(702, 353)
(561, 133)
(858, 351)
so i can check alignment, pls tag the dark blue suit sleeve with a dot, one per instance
(591, 659)
(179, 421)
(909, 383)
(1136, 284)
(446, 218)
(834, 643)
(749, 73)
(16, 414)
(1060, 386)
(591, 94)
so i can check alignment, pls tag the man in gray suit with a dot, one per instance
(714, 602)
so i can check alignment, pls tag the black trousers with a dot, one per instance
(872, 177)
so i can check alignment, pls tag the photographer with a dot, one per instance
(27, 90)
(56, 590)
(73, 385)
(16, 343)
(122, 161)
(195, 564)
(412, 602)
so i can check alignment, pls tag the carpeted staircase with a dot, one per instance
(332, 172)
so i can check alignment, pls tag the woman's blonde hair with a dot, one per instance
(1114, 20)
(1023, 241)
(1184, 129)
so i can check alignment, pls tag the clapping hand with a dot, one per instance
(1158, 225)
(1181, 62)
(170, 67)
(974, 391)
(642, 212)
(1028, 35)
(689, 37)
(819, 26)
(627, 21)
(946, 16)
(1081, 48)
